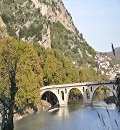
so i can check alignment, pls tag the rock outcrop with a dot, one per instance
(48, 23)
(26, 14)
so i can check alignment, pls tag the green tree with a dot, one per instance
(7, 94)
(69, 71)
(52, 70)
(29, 75)
(88, 74)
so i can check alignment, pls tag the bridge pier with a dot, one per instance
(63, 99)
(87, 98)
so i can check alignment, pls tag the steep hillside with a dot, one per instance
(48, 23)
(65, 58)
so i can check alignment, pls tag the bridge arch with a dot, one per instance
(83, 89)
(50, 97)
(75, 88)
(78, 94)
(111, 87)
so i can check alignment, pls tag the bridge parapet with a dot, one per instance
(78, 84)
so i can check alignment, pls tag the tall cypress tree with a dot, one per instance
(7, 101)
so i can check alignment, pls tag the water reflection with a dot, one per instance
(63, 112)
(76, 105)
(74, 117)
(98, 101)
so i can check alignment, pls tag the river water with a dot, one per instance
(77, 116)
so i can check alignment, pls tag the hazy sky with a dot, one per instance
(97, 20)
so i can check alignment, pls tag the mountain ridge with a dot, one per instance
(50, 24)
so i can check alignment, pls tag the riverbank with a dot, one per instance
(43, 106)
(73, 117)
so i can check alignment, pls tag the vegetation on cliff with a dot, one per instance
(50, 24)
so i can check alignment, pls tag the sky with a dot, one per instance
(98, 21)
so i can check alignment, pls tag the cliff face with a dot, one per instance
(37, 14)
(48, 23)
(55, 11)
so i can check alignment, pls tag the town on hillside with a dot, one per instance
(104, 66)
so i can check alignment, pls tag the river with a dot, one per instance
(75, 116)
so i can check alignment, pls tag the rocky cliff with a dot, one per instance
(25, 14)
(49, 23)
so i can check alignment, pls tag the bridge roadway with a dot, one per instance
(87, 89)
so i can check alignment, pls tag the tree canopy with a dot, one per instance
(37, 67)
(29, 74)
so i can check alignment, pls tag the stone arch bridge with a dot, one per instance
(62, 91)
